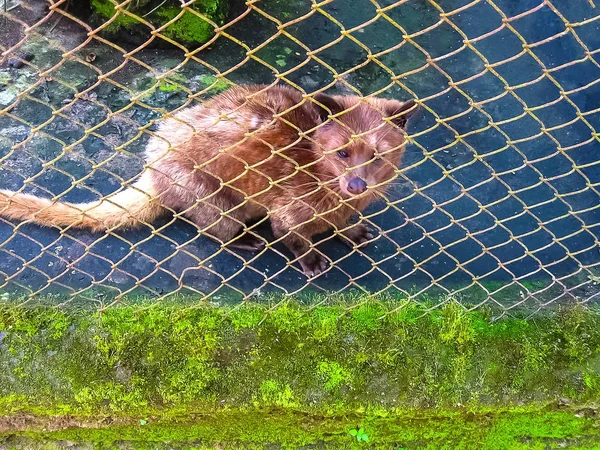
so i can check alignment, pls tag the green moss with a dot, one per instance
(288, 318)
(214, 84)
(367, 317)
(375, 363)
(190, 28)
(530, 429)
(333, 373)
(187, 29)
(275, 394)
(325, 323)
(107, 10)
(153, 88)
(249, 317)
(165, 86)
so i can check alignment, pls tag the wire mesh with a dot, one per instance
(495, 202)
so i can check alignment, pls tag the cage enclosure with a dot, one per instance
(290, 223)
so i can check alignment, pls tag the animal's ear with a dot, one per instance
(330, 103)
(399, 115)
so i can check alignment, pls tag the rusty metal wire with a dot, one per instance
(583, 260)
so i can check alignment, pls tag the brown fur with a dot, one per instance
(249, 152)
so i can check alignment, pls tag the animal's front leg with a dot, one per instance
(358, 235)
(299, 242)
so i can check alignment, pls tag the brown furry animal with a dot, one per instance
(249, 152)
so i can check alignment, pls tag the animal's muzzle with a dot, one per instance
(356, 186)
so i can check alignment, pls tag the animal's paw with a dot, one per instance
(248, 242)
(313, 264)
(358, 235)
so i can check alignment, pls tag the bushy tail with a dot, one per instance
(130, 208)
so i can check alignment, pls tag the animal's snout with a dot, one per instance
(356, 186)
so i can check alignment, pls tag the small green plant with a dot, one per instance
(359, 434)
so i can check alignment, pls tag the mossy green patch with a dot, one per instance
(188, 28)
(165, 86)
(281, 428)
(333, 373)
(107, 10)
(353, 362)
(192, 26)
(213, 84)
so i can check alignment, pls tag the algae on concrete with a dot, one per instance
(193, 26)
(278, 428)
(294, 375)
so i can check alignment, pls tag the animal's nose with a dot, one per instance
(357, 186)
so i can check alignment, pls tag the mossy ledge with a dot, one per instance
(143, 374)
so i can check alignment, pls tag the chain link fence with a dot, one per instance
(496, 200)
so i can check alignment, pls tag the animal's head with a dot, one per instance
(361, 147)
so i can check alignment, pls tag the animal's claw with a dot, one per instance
(313, 264)
(359, 234)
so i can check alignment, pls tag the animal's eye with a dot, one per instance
(343, 154)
